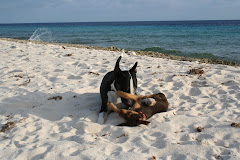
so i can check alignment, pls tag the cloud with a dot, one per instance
(29, 4)
(116, 10)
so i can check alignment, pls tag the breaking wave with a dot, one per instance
(42, 34)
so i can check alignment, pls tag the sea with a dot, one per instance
(213, 39)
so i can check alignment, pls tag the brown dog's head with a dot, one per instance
(132, 118)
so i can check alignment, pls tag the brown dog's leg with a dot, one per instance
(113, 107)
(121, 112)
(128, 96)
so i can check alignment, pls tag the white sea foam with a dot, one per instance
(42, 34)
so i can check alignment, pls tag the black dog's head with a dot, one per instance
(125, 81)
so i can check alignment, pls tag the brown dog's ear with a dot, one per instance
(133, 69)
(122, 124)
(117, 68)
(126, 124)
(144, 122)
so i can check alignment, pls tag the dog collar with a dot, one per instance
(144, 116)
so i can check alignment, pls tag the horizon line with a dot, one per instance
(122, 21)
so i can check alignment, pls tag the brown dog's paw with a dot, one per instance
(110, 105)
(120, 93)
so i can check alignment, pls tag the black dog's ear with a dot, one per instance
(133, 69)
(117, 68)
(144, 122)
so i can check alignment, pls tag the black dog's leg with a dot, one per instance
(104, 105)
(104, 88)
(104, 109)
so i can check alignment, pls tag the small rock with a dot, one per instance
(154, 158)
(13, 47)
(70, 54)
(237, 125)
(200, 129)
(8, 126)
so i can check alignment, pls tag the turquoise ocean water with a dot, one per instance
(205, 39)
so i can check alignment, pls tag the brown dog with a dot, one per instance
(144, 107)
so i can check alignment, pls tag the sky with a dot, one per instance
(40, 11)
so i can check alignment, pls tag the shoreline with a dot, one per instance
(147, 53)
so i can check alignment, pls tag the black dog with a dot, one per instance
(113, 81)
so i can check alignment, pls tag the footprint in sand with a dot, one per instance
(160, 144)
(74, 77)
(102, 71)
(40, 152)
(177, 86)
(74, 152)
(14, 71)
(58, 70)
(176, 156)
(158, 135)
(204, 100)
(195, 92)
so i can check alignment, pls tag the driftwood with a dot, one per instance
(95, 73)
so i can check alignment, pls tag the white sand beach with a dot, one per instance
(49, 99)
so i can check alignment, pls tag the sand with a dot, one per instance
(49, 104)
